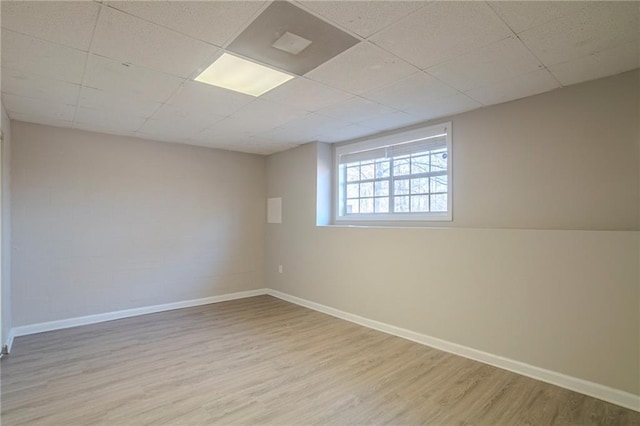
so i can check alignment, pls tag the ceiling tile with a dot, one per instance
(117, 78)
(40, 119)
(430, 109)
(100, 129)
(363, 67)
(352, 131)
(498, 61)
(115, 101)
(195, 18)
(262, 147)
(37, 57)
(129, 39)
(69, 23)
(203, 100)
(522, 15)
(182, 118)
(37, 107)
(306, 94)
(395, 120)
(356, 110)
(442, 30)
(227, 131)
(23, 84)
(306, 129)
(588, 31)
(272, 148)
(105, 120)
(413, 90)
(364, 17)
(262, 115)
(522, 86)
(604, 63)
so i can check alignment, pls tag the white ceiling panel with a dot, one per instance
(522, 15)
(289, 136)
(306, 129)
(201, 99)
(496, 62)
(418, 61)
(38, 57)
(36, 87)
(123, 102)
(262, 115)
(362, 68)
(199, 118)
(226, 131)
(37, 107)
(590, 30)
(211, 21)
(270, 147)
(364, 17)
(411, 91)
(99, 129)
(607, 62)
(69, 23)
(306, 94)
(40, 119)
(356, 110)
(102, 120)
(519, 87)
(395, 120)
(118, 78)
(430, 109)
(352, 131)
(265, 147)
(442, 30)
(129, 39)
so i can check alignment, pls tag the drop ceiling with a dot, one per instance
(128, 67)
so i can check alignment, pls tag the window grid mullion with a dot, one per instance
(344, 191)
(392, 199)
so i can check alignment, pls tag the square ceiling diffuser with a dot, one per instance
(287, 37)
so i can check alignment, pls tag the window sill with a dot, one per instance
(392, 224)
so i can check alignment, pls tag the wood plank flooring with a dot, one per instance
(265, 361)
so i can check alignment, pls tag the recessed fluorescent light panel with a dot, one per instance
(240, 75)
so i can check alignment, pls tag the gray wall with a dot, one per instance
(5, 177)
(561, 160)
(541, 262)
(103, 223)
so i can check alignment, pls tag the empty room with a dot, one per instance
(320, 212)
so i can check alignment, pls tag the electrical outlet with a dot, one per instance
(280, 268)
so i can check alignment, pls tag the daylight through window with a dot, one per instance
(400, 177)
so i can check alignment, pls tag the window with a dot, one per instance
(406, 176)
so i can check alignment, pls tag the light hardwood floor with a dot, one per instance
(265, 361)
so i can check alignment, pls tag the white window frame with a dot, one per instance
(393, 139)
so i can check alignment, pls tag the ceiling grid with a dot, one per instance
(128, 68)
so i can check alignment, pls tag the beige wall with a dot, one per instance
(103, 223)
(563, 297)
(5, 230)
(561, 160)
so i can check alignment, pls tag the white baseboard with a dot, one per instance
(605, 393)
(595, 390)
(9, 342)
(25, 330)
